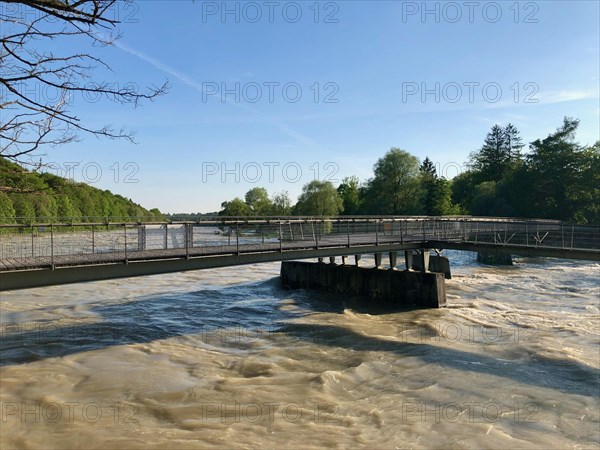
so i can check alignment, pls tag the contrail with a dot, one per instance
(286, 129)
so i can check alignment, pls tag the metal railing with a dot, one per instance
(71, 243)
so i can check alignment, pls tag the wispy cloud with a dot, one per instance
(566, 96)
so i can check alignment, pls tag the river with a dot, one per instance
(228, 358)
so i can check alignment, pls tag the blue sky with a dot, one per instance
(345, 87)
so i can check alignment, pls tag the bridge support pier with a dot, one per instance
(393, 260)
(332, 260)
(399, 287)
(408, 259)
(378, 260)
(357, 260)
(436, 264)
(495, 258)
(424, 260)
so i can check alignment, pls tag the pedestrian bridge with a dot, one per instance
(33, 255)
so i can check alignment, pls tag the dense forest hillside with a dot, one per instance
(43, 197)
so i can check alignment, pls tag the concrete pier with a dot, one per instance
(404, 288)
(494, 258)
(437, 264)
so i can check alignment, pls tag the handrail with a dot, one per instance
(287, 219)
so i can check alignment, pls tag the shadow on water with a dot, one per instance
(563, 375)
(255, 306)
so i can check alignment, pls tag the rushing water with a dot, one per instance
(226, 357)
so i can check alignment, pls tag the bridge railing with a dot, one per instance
(52, 244)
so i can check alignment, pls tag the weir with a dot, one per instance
(404, 288)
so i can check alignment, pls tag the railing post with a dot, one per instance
(52, 246)
(572, 235)
(166, 235)
(476, 231)
(237, 237)
(314, 234)
(562, 235)
(376, 232)
(401, 232)
(527, 233)
(32, 246)
(186, 230)
(348, 231)
(125, 234)
(93, 241)
(280, 238)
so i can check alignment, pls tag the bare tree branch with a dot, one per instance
(28, 121)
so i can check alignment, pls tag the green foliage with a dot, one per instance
(7, 209)
(395, 187)
(436, 192)
(558, 179)
(282, 205)
(42, 197)
(258, 202)
(236, 208)
(487, 202)
(564, 176)
(349, 191)
(500, 152)
(318, 198)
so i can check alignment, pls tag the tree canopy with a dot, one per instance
(42, 198)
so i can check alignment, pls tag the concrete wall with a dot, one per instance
(495, 258)
(404, 288)
(439, 264)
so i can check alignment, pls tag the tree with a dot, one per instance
(487, 202)
(29, 29)
(427, 168)
(318, 198)
(395, 187)
(258, 201)
(513, 143)
(564, 175)
(463, 189)
(436, 191)
(235, 208)
(429, 181)
(350, 194)
(7, 210)
(492, 160)
(24, 208)
(65, 207)
(282, 205)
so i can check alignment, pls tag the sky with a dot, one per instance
(276, 94)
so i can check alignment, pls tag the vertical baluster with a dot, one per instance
(52, 246)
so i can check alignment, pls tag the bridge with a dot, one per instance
(44, 254)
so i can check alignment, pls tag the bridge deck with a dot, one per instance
(38, 255)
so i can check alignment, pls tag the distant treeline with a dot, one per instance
(27, 196)
(557, 178)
